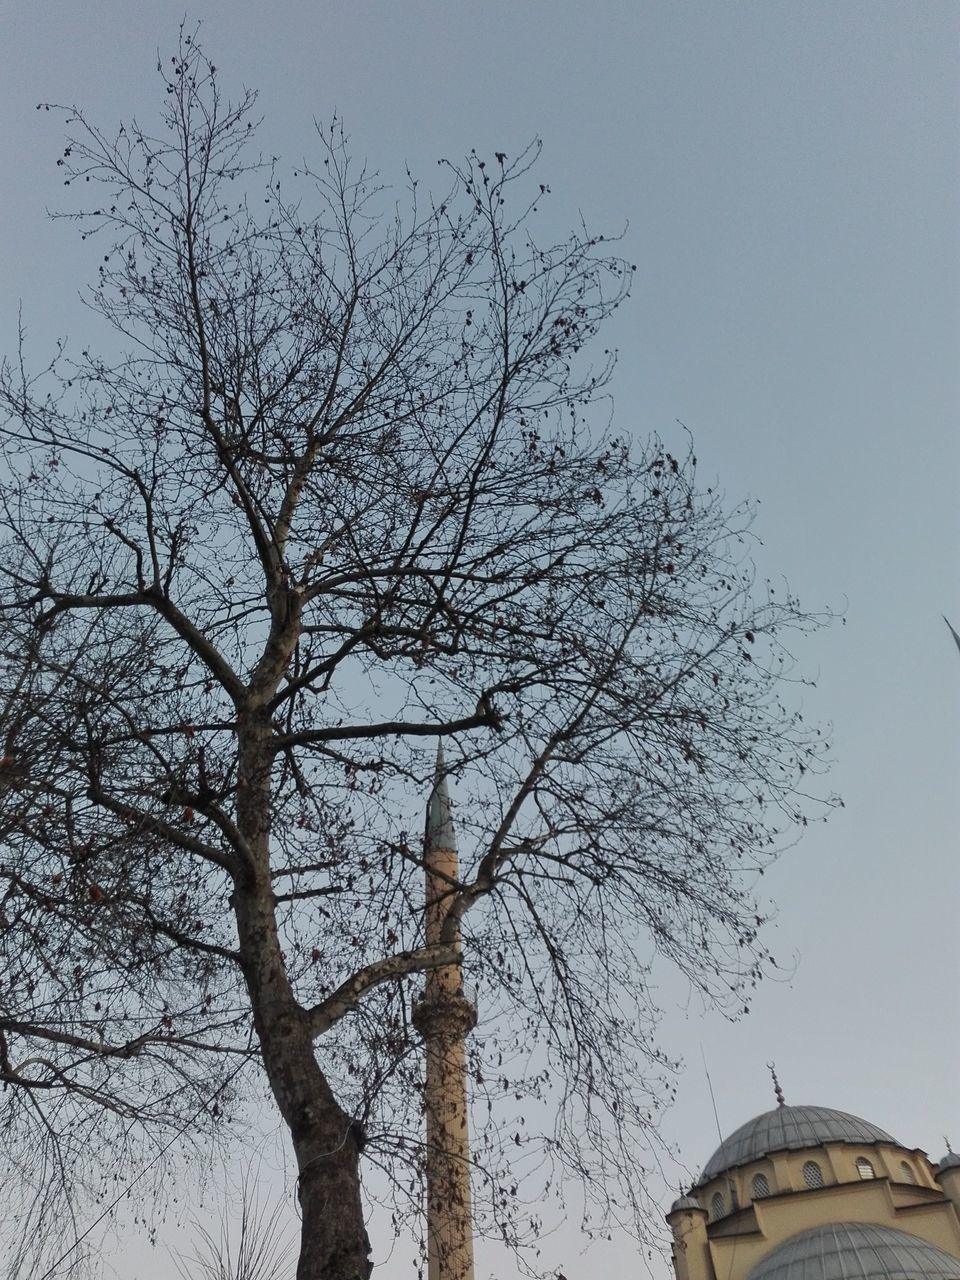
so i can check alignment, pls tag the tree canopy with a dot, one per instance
(343, 487)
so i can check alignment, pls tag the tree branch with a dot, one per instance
(487, 718)
(348, 995)
(148, 822)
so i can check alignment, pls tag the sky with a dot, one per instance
(785, 176)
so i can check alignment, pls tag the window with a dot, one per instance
(761, 1186)
(865, 1168)
(812, 1175)
(717, 1207)
(908, 1174)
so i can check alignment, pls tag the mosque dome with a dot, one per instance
(685, 1202)
(789, 1129)
(811, 1193)
(856, 1251)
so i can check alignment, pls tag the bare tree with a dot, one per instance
(334, 497)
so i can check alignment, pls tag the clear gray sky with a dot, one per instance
(788, 173)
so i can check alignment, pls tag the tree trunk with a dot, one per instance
(333, 1239)
(333, 1244)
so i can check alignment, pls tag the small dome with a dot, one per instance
(685, 1202)
(789, 1129)
(949, 1161)
(856, 1251)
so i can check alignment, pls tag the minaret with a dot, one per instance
(443, 1017)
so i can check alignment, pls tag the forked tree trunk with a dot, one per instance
(326, 1142)
(333, 1240)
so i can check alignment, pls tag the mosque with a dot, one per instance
(810, 1193)
(797, 1193)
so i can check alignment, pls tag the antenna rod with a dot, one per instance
(730, 1182)
(716, 1117)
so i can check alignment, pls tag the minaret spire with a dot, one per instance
(440, 832)
(443, 1017)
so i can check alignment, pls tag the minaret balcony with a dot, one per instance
(442, 1014)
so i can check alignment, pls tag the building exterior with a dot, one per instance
(810, 1193)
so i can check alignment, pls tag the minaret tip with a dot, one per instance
(778, 1092)
(440, 833)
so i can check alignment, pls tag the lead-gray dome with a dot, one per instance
(685, 1202)
(856, 1251)
(789, 1129)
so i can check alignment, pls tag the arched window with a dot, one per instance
(907, 1171)
(812, 1175)
(717, 1207)
(761, 1186)
(865, 1168)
